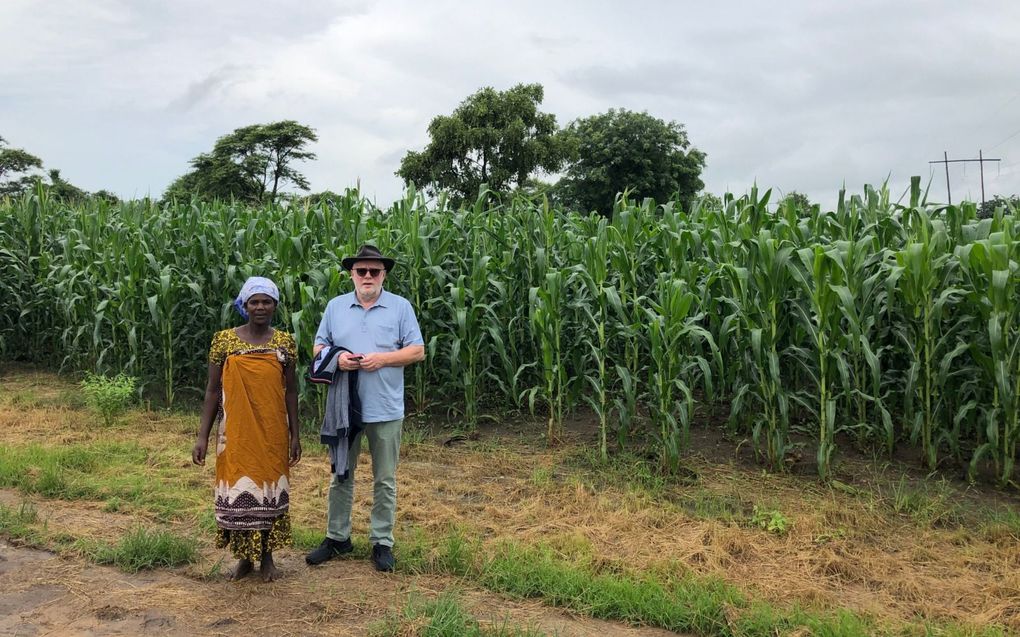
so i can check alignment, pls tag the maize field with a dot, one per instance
(877, 325)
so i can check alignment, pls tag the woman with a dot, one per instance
(253, 389)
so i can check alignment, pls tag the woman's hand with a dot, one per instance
(199, 450)
(295, 451)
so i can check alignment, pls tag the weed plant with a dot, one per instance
(109, 396)
(143, 549)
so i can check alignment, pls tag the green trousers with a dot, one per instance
(384, 446)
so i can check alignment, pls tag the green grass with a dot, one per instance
(671, 598)
(306, 538)
(762, 620)
(709, 505)
(1002, 525)
(19, 522)
(121, 474)
(932, 504)
(687, 605)
(22, 523)
(542, 477)
(31, 398)
(624, 470)
(444, 616)
(143, 549)
(415, 433)
(642, 477)
(311, 447)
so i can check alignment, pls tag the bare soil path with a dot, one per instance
(45, 594)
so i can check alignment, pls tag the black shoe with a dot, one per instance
(382, 557)
(329, 549)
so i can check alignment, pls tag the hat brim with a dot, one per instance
(349, 262)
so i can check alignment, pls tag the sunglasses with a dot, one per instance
(367, 272)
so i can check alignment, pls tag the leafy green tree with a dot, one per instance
(498, 138)
(106, 196)
(987, 209)
(65, 190)
(624, 150)
(316, 198)
(14, 164)
(710, 201)
(799, 201)
(250, 164)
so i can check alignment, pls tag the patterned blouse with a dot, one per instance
(227, 343)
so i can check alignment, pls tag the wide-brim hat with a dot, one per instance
(367, 252)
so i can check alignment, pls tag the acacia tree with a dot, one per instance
(624, 150)
(498, 138)
(250, 164)
(14, 164)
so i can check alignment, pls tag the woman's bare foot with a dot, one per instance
(241, 571)
(268, 568)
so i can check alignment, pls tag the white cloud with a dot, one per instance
(801, 95)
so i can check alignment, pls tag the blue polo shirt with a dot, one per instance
(387, 326)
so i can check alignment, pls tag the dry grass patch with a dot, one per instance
(844, 547)
(842, 550)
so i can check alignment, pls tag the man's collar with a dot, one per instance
(380, 302)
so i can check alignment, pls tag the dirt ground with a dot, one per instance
(845, 548)
(43, 594)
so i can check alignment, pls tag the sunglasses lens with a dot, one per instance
(368, 271)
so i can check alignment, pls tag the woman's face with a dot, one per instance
(260, 308)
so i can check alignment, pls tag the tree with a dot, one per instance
(107, 196)
(799, 201)
(65, 190)
(251, 164)
(14, 162)
(498, 138)
(710, 201)
(987, 209)
(624, 150)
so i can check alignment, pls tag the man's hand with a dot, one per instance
(349, 362)
(295, 451)
(373, 361)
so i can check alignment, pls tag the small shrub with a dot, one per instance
(770, 520)
(109, 396)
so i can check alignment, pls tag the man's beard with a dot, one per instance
(363, 296)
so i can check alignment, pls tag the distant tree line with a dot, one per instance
(499, 139)
(20, 171)
(502, 139)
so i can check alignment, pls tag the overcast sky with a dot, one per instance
(798, 95)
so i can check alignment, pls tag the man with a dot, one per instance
(381, 332)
